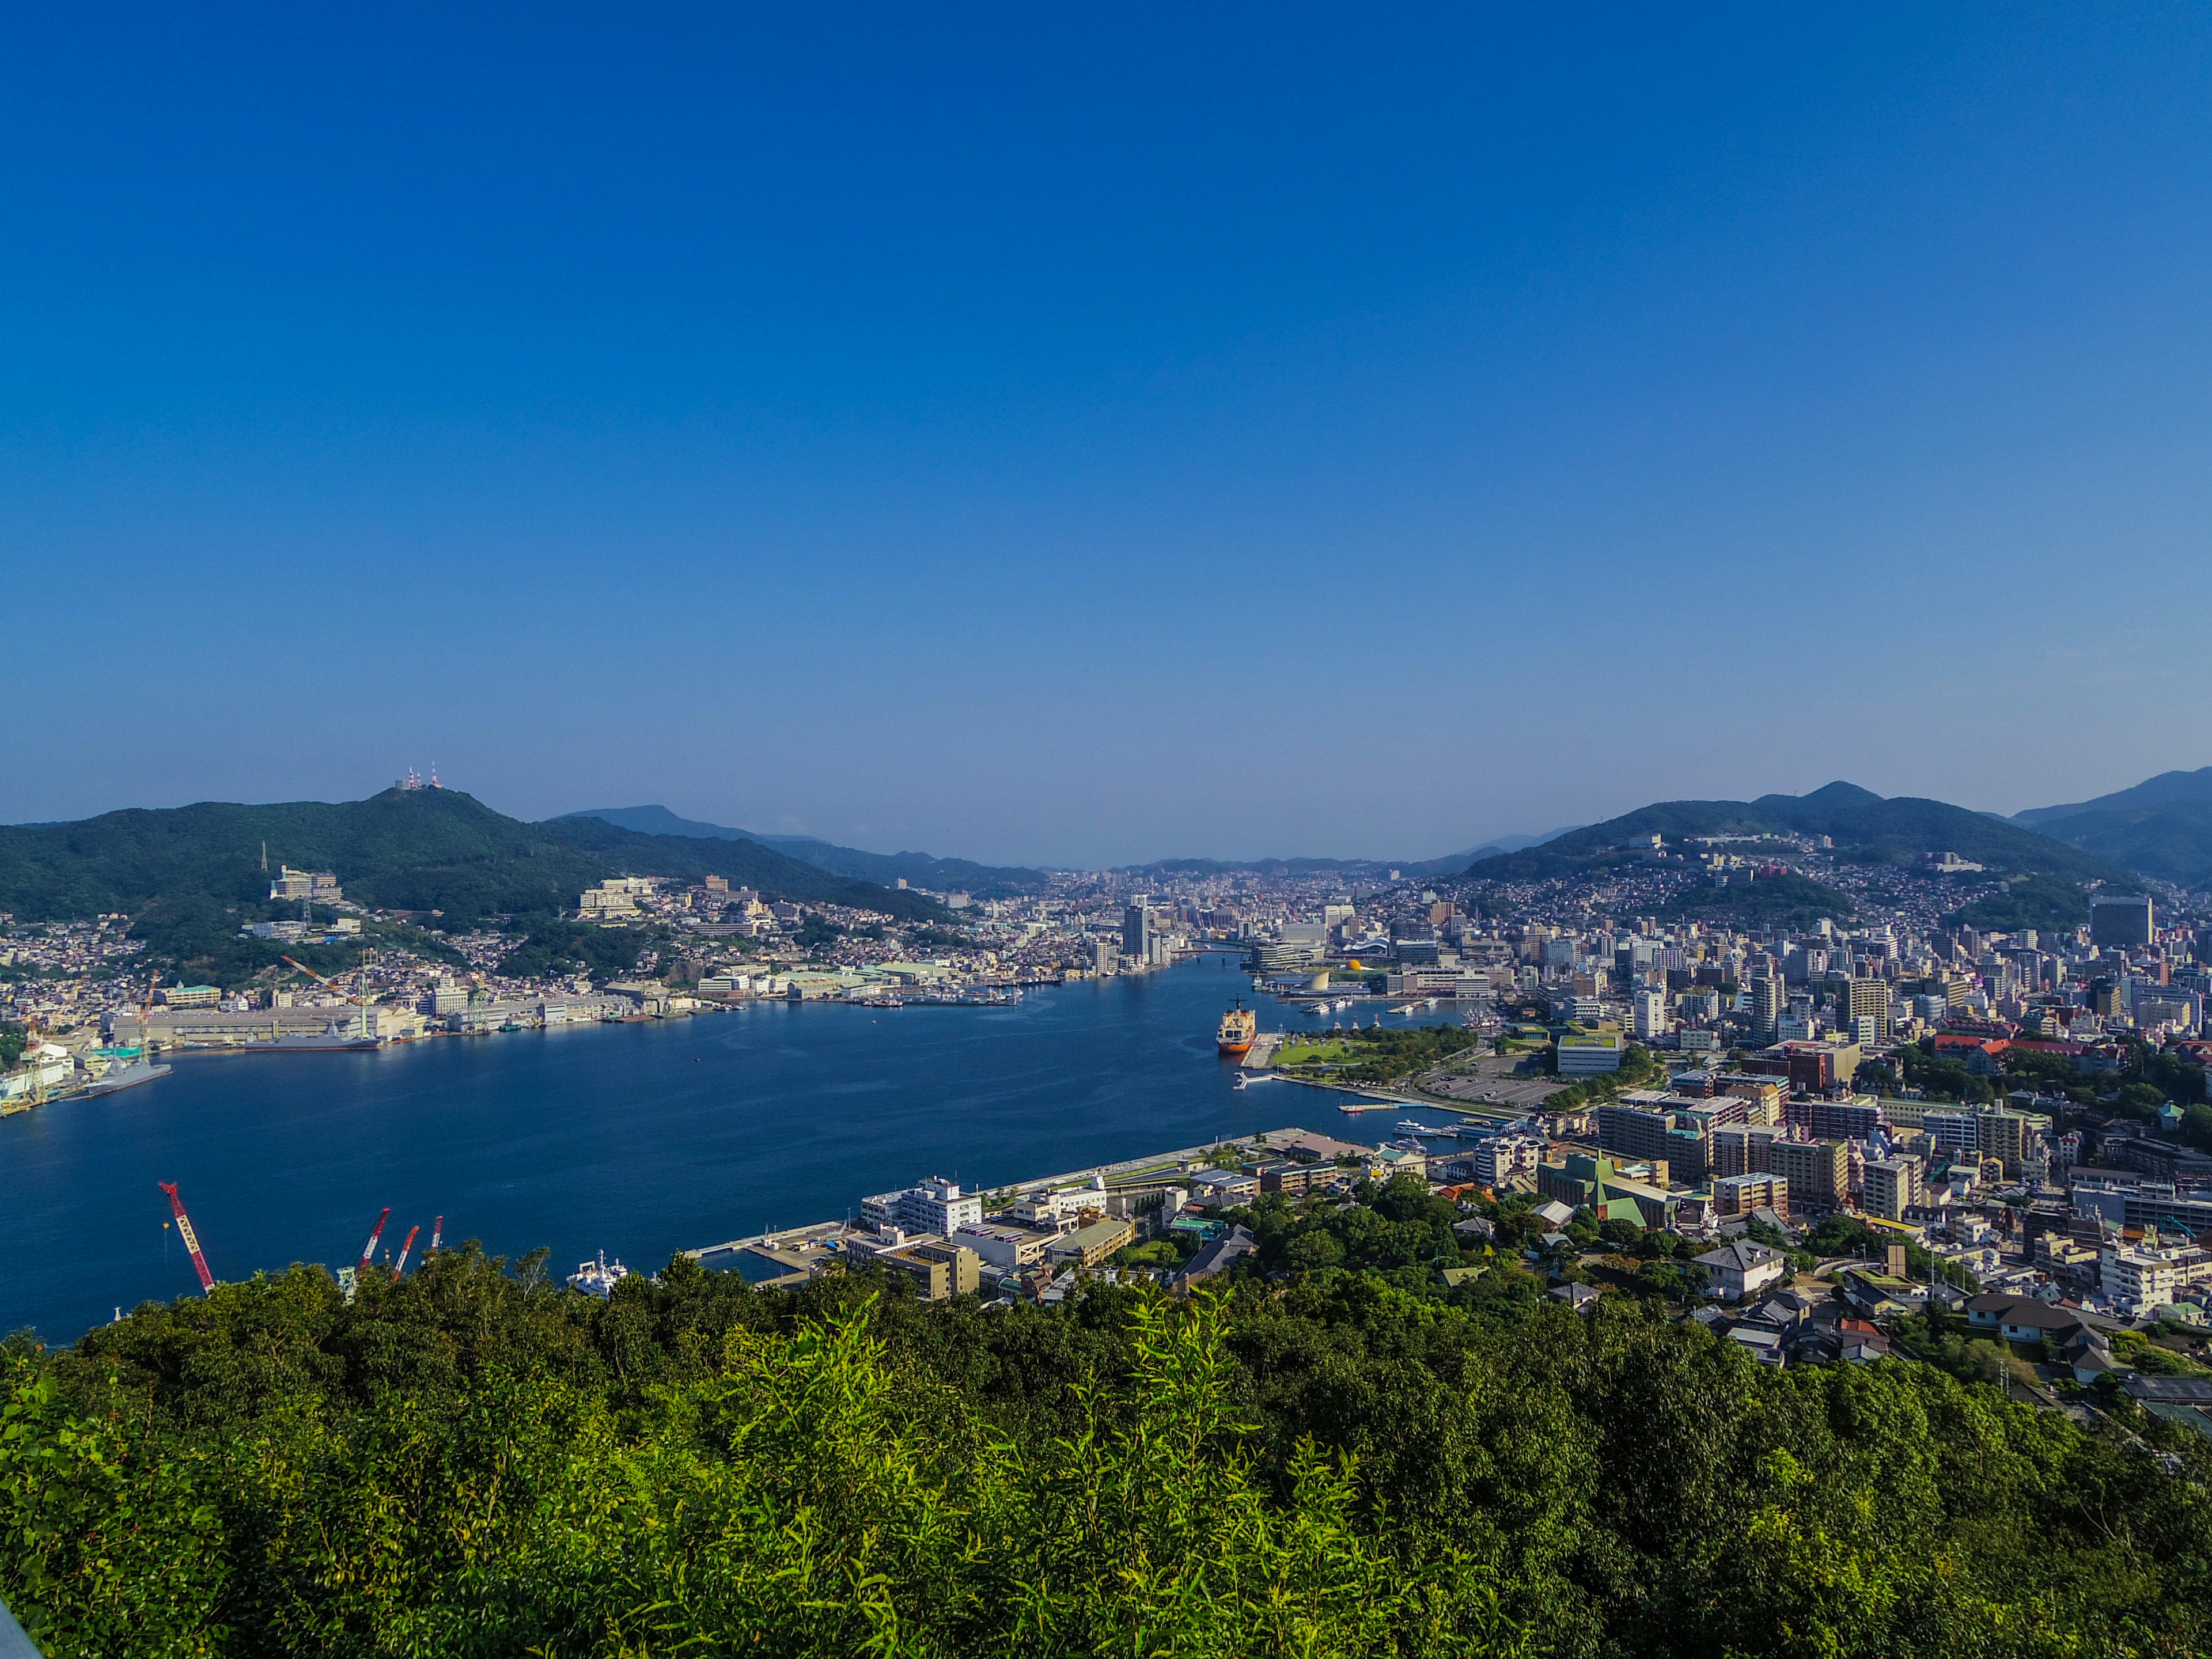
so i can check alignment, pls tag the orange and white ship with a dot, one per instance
(1238, 1028)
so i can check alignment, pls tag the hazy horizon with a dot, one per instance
(1089, 438)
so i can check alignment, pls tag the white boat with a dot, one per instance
(599, 1276)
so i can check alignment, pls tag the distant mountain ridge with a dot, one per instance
(886, 869)
(1866, 829)
(2160, 828)
(2166, 789)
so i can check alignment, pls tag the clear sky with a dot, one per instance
(1090, 433)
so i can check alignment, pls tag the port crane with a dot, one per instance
(375, 1233)
(401, 1265)
(191, 1239)
(360, 999)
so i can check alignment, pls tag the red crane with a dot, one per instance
(376, 1232)
(191, 1239)
(404, 1249)
(437, 1232)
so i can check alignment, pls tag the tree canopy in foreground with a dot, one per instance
(474, 1462)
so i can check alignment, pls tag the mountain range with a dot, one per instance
(886, 869)
(2161, 827)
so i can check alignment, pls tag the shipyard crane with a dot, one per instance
(329, 984)
(191, 1239)
(437, 1232)
(375, 1233)
(401, 1265)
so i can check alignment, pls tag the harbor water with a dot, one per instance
(640, 1139)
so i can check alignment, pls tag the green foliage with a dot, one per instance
(1340, 1462)
(2196, 1126)
(1941, 1080)
(1783, 901)
(2045, 902)
(555, 946)
(13, 1037)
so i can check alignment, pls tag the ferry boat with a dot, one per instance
(599, 1276)
(1239, 1026)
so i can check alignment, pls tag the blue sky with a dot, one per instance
(1088, 435)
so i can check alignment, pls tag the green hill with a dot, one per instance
(887, 869)
(1866, 829)
(2185, 789)
(2165, 843)
(2161, 827)
(192, 876)
(1791, 900)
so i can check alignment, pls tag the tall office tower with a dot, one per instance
(1137, 930)
(2121, 921)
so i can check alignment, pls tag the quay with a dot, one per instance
(789, 1256)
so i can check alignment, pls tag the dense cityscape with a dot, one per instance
(1807, 1136)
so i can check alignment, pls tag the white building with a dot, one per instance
(2138, 1278)
(1742, 1268)
(1651, 1015)
(936, 1206)
(1501, 1157)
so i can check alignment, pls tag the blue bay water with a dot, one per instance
(640, 1139)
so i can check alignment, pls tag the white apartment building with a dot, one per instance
(936, 1206)
(1501, 1157)
(2137, 1278)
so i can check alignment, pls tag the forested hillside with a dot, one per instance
(886, 869)
(1866, 828)
(190, 876)
(1336, 1462)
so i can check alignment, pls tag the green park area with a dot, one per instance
(1313, 1053)
(1360, 1056)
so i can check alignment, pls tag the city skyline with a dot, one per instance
(1089, 440)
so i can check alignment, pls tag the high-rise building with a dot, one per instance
(1769, 998)
(2003, 1135)
(1651, 1014)
(1819, 1170)
(2120, 920)
(1863, 999)
(1889, 1187)
(1137, 930)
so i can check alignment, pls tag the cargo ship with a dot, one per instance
(1239, 1026)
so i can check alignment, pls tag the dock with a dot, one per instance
(799, 1251)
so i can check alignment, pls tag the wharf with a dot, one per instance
(798, 1250)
